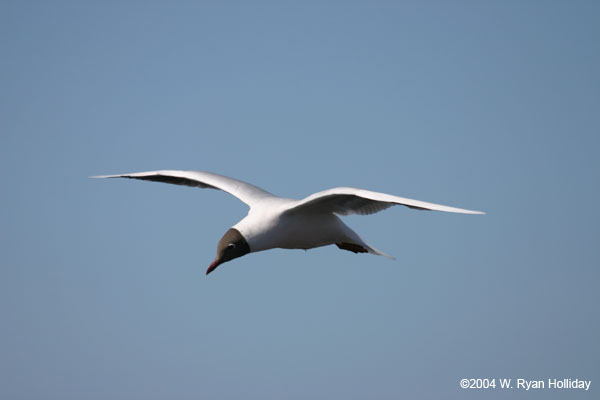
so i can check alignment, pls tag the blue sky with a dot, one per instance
(491, 107)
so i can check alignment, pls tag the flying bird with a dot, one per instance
(278, 222)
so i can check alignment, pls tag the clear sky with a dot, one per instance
(491, 106)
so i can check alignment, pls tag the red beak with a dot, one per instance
(213, 266)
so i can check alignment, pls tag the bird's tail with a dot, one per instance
(356, 244)
(373, 250)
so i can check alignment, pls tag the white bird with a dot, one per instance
(278, 222)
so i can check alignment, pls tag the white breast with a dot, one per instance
(268, 228)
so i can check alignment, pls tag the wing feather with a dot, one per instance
(246, 192)
(346, 201)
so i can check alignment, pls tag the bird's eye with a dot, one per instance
(231, 246)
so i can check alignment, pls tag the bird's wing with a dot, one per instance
(346, 200)
(246, 192)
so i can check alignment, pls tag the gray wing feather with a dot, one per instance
(346, 201)
(246, 192)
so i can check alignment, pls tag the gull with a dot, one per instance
(279, 222)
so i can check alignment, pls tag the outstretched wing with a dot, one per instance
(246, 192)
(346, 200)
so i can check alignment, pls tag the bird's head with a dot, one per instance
(232, 245)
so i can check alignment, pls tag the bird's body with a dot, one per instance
(271, 228)
(278, 222)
